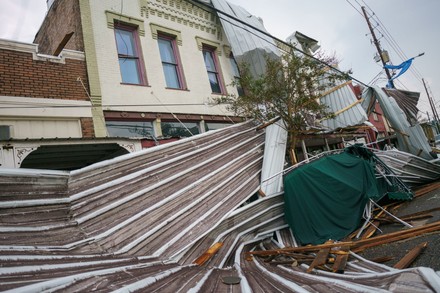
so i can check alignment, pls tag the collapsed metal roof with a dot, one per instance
(346, 108)
(150, 220)
(248, 45)
(251, 46)
(396, 106)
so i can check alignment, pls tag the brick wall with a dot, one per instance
(87, 127)
(62, 18)
(22, 76)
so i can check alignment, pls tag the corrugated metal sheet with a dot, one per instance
(347, 108)
(411, 139)
(274, 158)
(137, 223)
(248, 45)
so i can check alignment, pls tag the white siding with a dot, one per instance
(23, 128)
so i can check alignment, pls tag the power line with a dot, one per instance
(390, 40)
(273, 37)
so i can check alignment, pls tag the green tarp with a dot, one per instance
(325, 199)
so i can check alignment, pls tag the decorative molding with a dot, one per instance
(202, 41)
(112, 16)
(227, 50)
(155, 29)
(22, 152)
(182, 12)
(33, 49)
(129, 147)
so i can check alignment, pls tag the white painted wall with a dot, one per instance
(115, 93)
(43, 118)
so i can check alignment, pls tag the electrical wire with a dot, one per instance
(272, 37)
(387, 36)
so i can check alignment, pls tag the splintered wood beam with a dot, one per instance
(62, 44)
(359, 244)
(371, 230)
(382, 259)
(201, 260)
(341, 260)
(427, 188)
(408, 259)
(406, 218)
(422, 212)
(320, 259)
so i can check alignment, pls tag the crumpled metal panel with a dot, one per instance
(248, 45)
(411, 139)
(274, 158)
(346, 106)
(407, 101)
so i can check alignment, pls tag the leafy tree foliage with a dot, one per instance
(290, 89)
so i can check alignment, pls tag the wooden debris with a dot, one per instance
(382, 259)
(321, 258)
(208, 254)
(407, 260)
(359, 244)
(341, 260)
(407, 218)
(426, 189)
(371, 230)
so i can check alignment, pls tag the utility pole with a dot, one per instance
(433, 109)
(377, 44)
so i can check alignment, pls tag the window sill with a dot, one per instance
(176, 89)
(135, 84)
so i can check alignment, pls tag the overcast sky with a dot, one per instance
(414, 27)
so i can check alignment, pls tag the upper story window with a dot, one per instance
(129, 54)
(211, 63)
(172, 68)
(236, 74)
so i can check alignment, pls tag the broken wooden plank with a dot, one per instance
(208, 254)
(63, 43)
(408, 259)
(406, 218)
(341, 259)
(359, 244)
(321, 258)
(371, 229)
(426, 189)
(382, 259)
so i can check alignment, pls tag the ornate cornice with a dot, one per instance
(112, 16)
(155, 29)
(182, 12)
(202, 41)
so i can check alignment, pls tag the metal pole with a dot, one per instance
(433, 109)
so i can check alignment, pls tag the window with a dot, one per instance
(170, 62)
(215, 125)
(236, 74)
(212, 68)
(130, 128)
(179, 129)
(127, 42)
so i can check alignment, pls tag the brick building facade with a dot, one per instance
(45, 111)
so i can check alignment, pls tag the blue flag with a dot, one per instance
(403, 68)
